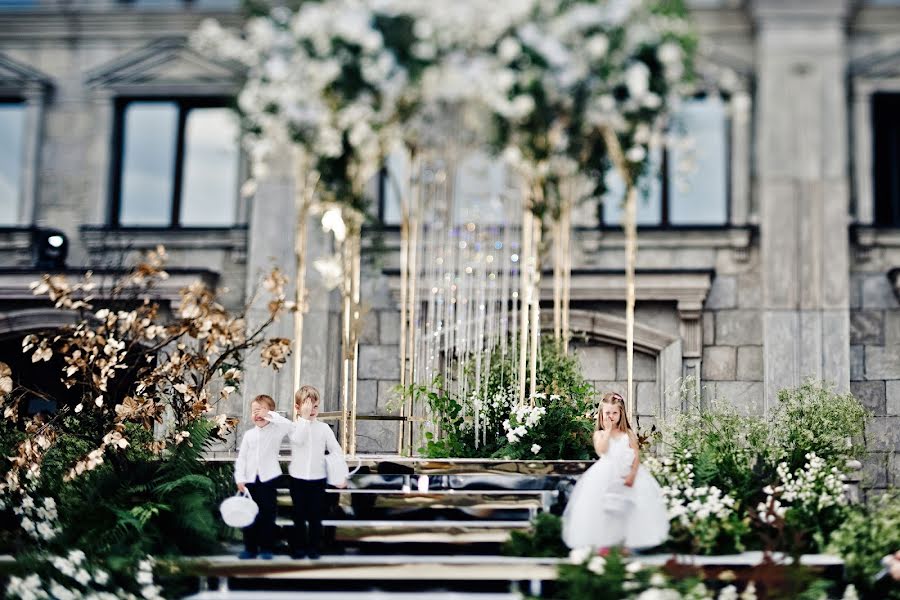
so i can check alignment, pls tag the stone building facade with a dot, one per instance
(792, 273)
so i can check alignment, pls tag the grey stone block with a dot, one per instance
(369, 332)
(892, 327)
(644, 368)
(875, 470)
(389, 326)
(855, 297)
(893, 468)
(882, 362)
(722, 294)
(867, 327)
(877, 292)
(719, 363)
(366, 397)
(857, 363)
(750, 363)
(376, 436)
(738, 328)
(749, 293)
(379, 362)
(597, 362)
(892, 398)
(388, 397)
(871, 394)
(883, 434)
(648, 399)
(605, 387)
(746, 397)
(709, 328)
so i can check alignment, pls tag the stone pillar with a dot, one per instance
(801, 157)
(271, 243)
(35, 98)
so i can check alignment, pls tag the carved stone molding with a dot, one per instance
(894, 276)
(168, 66)
(15, 283)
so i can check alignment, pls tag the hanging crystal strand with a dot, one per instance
(480, 314)
(525, 295)
(428, 268)
(503, 262)
(568, 200)
(491, 317)
(535, 300)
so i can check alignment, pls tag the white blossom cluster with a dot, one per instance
(75, 579)
(327, 78)
(687, 504)
(523, 418)
(294, 62)
(39, 519)
(814, 488)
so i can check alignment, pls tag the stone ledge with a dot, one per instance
(101, 238)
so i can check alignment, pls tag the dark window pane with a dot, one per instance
(12, 124)
(18, 3)
(698, 182)
(209, 192)
(649, 200)
(886, 167)
(395, 180)
(148, 163)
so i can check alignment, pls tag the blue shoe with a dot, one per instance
(247, 555)
(265, 555)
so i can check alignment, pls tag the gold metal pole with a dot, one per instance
(630, 227)
(355, 243)
(566, 231)
(346, 351)
(524, 292)
(412, 296)
(304, 190)
(404, 282)
(557, 231)
(535, 302)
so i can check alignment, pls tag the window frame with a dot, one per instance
(184, 105)
(21, 201)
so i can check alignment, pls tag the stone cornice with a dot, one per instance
(166, 66)
(799, 12)
(688, 289)
(19, 78)
(109, 23)
(100, 238)
(15, 283)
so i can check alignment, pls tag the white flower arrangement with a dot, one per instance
(73, 578)
(38, 519)
(813, 488)
(337, 81)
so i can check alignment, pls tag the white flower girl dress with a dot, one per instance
(604, 512)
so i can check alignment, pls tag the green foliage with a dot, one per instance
(133, 505)
(563, 431)
(815, 418)
(544, 539)
(865, 536)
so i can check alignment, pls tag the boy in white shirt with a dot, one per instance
(256, 470)
(310, 439)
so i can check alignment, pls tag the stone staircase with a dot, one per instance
(423, 529)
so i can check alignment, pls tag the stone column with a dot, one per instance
(35, 97)
(271, 243)
(801, 159)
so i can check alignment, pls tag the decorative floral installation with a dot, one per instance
(345, 81)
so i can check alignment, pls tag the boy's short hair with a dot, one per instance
(306, 393)
(265, 400)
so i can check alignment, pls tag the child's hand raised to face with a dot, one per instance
(308, 410)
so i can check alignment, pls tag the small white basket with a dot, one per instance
(239, 511)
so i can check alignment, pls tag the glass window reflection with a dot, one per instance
(697, 173)
(148, 163)
(211, 161)
(12, 125)
(649, 200)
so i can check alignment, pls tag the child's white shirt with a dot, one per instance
(258, 454)
(309, 441)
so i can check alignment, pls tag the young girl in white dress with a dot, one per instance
(616, 502)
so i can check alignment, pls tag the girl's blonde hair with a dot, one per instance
(616, 399)
(306, 393)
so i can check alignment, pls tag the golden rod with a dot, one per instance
(524, 294)
(355, 243)
(305, 182)
(566, 246)
(412, 297)
(404, 279)
(630, 227)
(535, 301)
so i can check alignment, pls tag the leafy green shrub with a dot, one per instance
(813, 418)
(866, 535)
(131, 506)
(544, 539)
(555, 423)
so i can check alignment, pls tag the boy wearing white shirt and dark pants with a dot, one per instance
(256, 470)
(310, 439)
